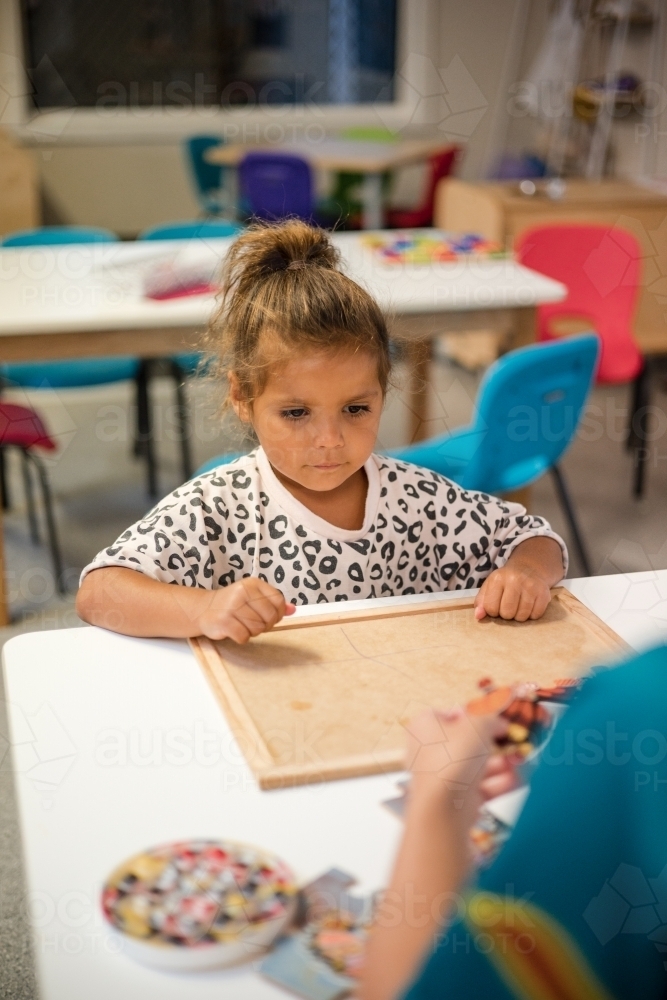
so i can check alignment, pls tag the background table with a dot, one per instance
(119, 744)
(372, 159)
(87, 300)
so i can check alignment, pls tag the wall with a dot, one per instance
(128, 172)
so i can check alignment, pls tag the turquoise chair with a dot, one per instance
(213, 463)
(527, 412)
(207, 176)
(182, 365)
(81, 372)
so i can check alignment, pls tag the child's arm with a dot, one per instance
(521, 589)
(127, 601)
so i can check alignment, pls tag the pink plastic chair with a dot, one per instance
(22, 428)
(601, 268)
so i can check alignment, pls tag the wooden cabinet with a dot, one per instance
(498, 211)
(19, 187)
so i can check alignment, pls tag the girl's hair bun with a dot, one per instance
(264, 250)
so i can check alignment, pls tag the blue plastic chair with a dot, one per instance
(207, 177)
(191, 230)
(527, 412)
(213, 463)
(277, 186)
(185, 364)
(81, 372)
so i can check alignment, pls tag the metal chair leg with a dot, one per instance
(145, 444)
(182, 418)
(5, 499)
(568, 510)
(52, 533)
(639, 427)
(29, 498)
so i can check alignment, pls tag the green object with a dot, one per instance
(344, 202)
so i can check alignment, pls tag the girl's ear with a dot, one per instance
(241, 407)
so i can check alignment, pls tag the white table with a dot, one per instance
(87, 300)
(370, 158)
(75, 696)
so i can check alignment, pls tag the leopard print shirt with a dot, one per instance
(421, 534)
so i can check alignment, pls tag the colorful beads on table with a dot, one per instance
(197, 892)
(426, 248)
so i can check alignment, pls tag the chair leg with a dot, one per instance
(52, 533)
(29, 498)
(182, 418)
(5, 499)
(145, 444)
(570, 517)
(639, 427)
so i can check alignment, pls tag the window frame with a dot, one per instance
(417, 33)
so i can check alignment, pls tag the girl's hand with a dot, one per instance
(453, 759)
(242, 610)
(522, 588)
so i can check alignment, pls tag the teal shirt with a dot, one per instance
(585, 870)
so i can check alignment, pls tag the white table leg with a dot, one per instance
(371, 197)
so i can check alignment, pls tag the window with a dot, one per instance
(161, 53)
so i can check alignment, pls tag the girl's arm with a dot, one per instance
(127, 601)
(451, 774)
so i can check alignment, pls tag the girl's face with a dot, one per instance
(318, 416)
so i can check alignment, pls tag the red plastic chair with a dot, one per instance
(601, 267)
(440, 165)
(22, 428)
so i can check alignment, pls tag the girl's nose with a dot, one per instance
(328, 434)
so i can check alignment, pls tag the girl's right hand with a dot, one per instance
(242, 610)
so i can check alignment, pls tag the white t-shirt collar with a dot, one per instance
(298, 512)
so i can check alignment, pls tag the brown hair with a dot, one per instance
(285, 280)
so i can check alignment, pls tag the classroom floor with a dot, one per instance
(100, 491)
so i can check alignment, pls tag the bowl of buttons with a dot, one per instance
(199, 904)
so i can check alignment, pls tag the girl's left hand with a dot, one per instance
(522, 588)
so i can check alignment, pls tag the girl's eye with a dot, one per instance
(357, 409)
(295, 414)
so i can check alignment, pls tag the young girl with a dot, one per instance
(311, 515)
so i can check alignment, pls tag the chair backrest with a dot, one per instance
(191, 230)
(207, 176)
(58, 235)
(601, 267)
(528, 409)
(213, 463)
(440, 165)
(277, 185)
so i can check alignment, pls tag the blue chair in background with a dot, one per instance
(527, 412)
(185, 364)
(277, 186)
(213, 463)
(81, 372)
(207, 177)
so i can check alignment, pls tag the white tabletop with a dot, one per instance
(89, 287)
(118, 744)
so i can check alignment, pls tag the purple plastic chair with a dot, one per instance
(277, 186)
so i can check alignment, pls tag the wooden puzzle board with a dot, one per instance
(327, 697)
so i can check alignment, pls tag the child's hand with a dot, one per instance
(522, 588)
(242, 610)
